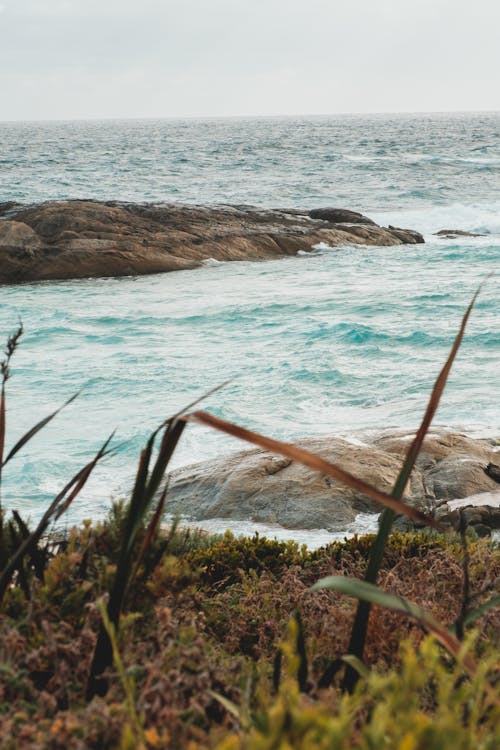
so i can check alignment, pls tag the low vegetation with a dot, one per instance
(127, 634)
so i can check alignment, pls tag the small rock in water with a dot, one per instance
(340, 216)
(452, 234)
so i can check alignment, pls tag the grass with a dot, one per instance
(129, 635)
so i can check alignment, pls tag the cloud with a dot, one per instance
(109, 58)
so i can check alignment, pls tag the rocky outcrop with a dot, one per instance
(74, 239)
(481, 512)
(453, 234)
(340, 216)
(256, 485)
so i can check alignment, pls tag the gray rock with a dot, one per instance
(255, 485)
(452, 234)
(481, 512)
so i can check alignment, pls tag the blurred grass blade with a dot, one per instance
(37, 557)
(482, 609)
(356, 664)
(151, 531)
(360, 625)
(313, 462)
(145, 489)
(433, 404)
(2, 436)
(200, 399)
(82, 478)
(39, 426)
(370, 593)
(230, 707)
(62, 500)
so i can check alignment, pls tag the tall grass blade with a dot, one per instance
(482, 609)
(37, 557)
(2, 438)
(33, 431)
(360, 625)
(12, 343)
(371, 593)
(151, 530)
(60, 503)
(313, 462)
(145, 489)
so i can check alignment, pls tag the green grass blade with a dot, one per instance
(34, 430)
(146, 486)
(63, 499)
(482, 609)
(370, 593)
(360, 625)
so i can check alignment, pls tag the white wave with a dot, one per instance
(474, 217)
(365, 523)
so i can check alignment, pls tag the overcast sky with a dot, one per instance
(62, 59)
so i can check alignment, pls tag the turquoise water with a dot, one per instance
(340, 341)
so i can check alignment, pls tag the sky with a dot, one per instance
(79, 59)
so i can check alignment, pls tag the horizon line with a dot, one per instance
(146, 118)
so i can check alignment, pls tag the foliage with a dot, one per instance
(186, 638)
(424, 705)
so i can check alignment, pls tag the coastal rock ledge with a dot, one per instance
(80, 239)
(255, 485)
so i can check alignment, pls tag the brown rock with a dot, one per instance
(73, 239)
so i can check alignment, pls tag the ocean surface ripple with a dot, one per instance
(340, 341)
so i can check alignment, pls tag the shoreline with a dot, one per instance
(74, 239)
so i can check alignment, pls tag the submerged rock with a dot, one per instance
(453, 234)
(74, 239)
(259, 486)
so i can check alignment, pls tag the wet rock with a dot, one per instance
(493, 471)
(406, 235)
(481, 512)
(340, 216)
(453, 234)
(74, 239)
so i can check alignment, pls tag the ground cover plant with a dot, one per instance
(125, 633)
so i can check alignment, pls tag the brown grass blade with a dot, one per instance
(313, 462)
(437, 391)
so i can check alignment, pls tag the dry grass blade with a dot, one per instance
(313, 462)
(359, 629)
(434, 400)
(33, 431)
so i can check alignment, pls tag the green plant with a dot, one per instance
(24, 545)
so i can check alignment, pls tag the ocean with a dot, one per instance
(343, 340)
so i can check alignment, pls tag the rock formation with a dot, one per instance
(453, 234)
(74, 239)
(259, 486)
